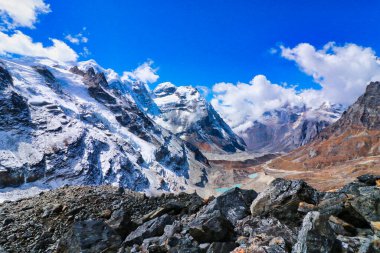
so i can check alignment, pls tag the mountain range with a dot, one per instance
(102, 143)
(83, 124)
(342, 151)
(289, 127)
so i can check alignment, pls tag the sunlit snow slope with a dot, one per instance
(62, 124)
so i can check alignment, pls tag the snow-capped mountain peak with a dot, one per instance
(68, 125)
(185, 112)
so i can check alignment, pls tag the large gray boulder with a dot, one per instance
(152, 228)
(315, 236)
(90, 236)
(281, 200)
(233, 204)
(211, 227)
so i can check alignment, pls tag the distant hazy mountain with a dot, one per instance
(351, 143)
(289, 127)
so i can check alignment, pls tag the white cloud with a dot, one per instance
(342, 71)
(77, 38)
(243, 103)
(144, 73)
(86, 52)
(72, 39)
(21, 13)
(21, 44)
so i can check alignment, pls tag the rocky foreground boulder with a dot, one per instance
(289, 216)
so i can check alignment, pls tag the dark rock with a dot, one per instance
(5, 78)
(369, 179)
(316, 235)
(90, 236)
(363, 205)
(149, 229)
(282, 199)
(355, 244)
(341, 227)
(77, 71)
(121, 222)
(221, 247)
(233, 204)
(47, 75)
(264, 230)
(43, 242)
(8, 221)
(172, 208)
(368, 203)
(211, 227)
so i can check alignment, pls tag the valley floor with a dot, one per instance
(255, 171)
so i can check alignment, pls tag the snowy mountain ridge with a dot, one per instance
(73, 125)
(289, 127)
(185, 112)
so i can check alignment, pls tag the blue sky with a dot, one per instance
(202, 42)
(250, 56)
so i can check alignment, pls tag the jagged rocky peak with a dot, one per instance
(364, 113)
(185, 112)
(86, 65)
(345, 149)
(164, 89)
(143, 97)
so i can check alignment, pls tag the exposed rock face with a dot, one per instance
(149, 229)
(77, 125)
(107, 219)
(281, 200)
(363, 114)
(186, 113)
(287, 128)
(346, 149)
(90, 236)
(234, 205)
(316, 235)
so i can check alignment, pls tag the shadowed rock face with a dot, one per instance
(289, 216)
(43, 71)
(5, 78)
(342, 151)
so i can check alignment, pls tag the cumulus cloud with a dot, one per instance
(21, 44)
(86, 52)
(342, 71)
(77, 38)
(21, 13)
(241, 104)
(144, 73)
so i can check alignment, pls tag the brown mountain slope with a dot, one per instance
(344, 150)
